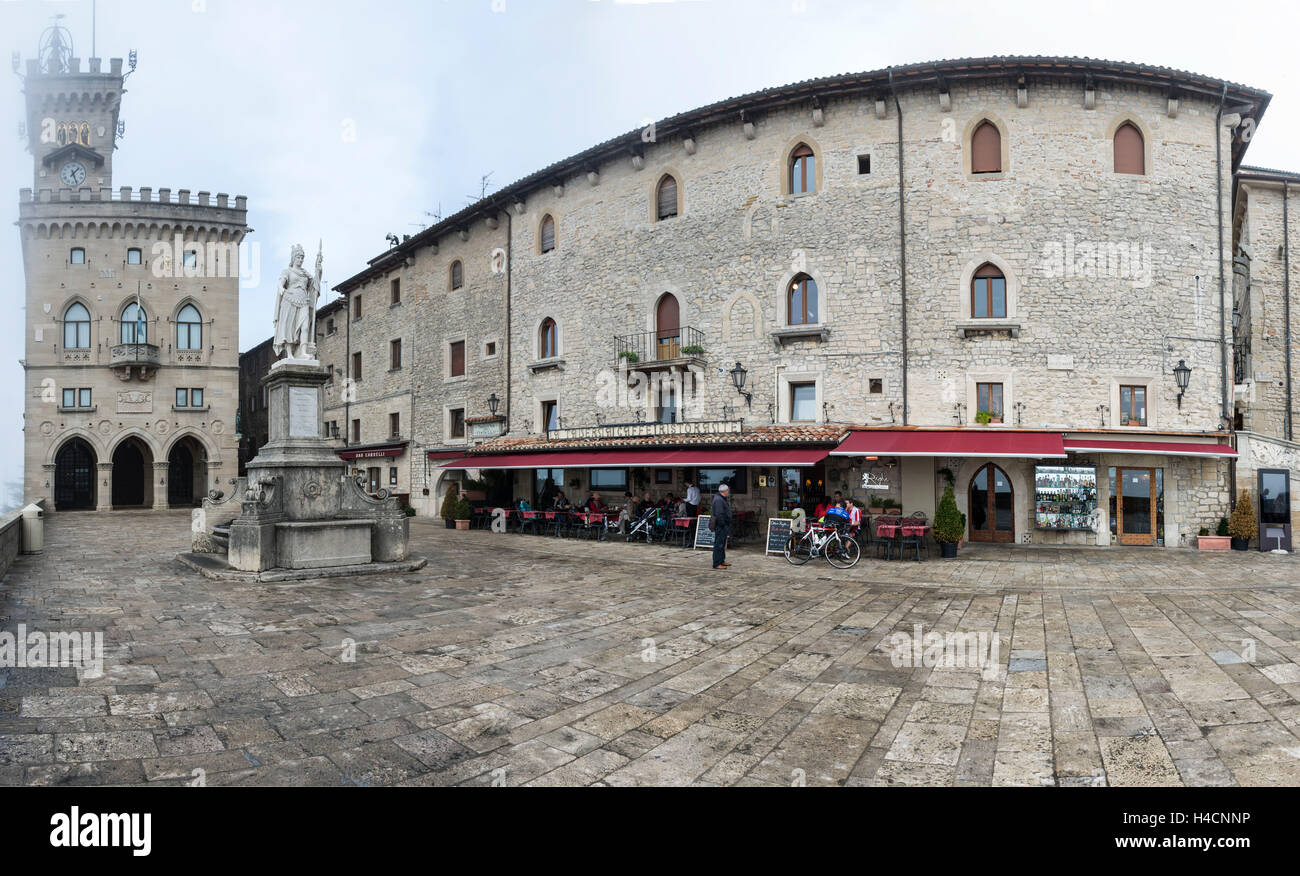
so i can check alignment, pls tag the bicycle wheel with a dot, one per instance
(797, 550)
(843, 553)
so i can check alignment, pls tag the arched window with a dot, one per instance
(801, 301)
(547, 234)
(668, 327)
(457, 275)
(1130, 150)
(803, 170)
(546, 340)
(76, 327)
(988, 293)
(189, 329)
(986, 149)
(666, 198)
(135, 326)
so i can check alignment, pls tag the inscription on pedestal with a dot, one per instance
(304, 416)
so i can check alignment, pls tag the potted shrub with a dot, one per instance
(462, 512)
(1207, 542)
(1222, 528)
(629, 356)
(692, 350)
(1243, 526)
(949, 524)
(983, 418)
(448, 512)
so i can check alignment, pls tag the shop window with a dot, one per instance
(608, 479)
(1065, 497)
(709, 479)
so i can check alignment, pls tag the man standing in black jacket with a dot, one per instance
(720, 523)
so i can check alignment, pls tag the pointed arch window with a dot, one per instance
(135, 324)
(547, 234)
(801, 301)
(803, 170)
(546, 340)
(189, 329)
(76, 327)
(986, 149)
(1130, 150)
(988, 293)
(666, 198)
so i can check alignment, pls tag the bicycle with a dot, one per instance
(826, 541)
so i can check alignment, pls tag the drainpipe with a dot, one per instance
(507, 352)
(902, 239)
(347, 394)
(1223, 325)
(1286, 300)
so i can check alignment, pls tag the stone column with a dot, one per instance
(160, 486)
(104, 487)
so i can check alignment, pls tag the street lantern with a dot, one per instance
(738, 375)
(1236, 319)
(493, 403)
(1182, 374)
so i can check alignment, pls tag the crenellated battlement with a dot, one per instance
(94, 68)
(129, 194)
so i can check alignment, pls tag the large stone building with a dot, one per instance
(1016, 275)
(132, 309)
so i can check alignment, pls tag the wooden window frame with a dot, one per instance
(804, 279)
(663, 211)
(1141, 150)
(356, 366)
(456, 275)
(395, 354)
(356, 306)
(985, 389)
(548, 348)
(1132, 389)
(394, 291)
(451, 358)
(395, 424)
(548, 219)
(800, 169)
(988, 271)
(975, 133)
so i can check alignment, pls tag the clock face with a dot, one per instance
(73, 174)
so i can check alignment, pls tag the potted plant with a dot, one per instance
(692, 350)
(462, 512)
(630, 356)
(949, 524)
(983, 418)
(1222, 528)
(448, 512)
(1207, 542)
(1243, 526)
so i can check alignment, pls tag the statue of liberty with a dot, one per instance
(295, 308)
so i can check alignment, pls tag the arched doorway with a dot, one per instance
(132, 474)
(74, 477)
(992, 508)
(668, 327)
(186, 473)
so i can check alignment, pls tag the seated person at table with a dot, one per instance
(836, 515)
(645, 503)
(627, 513)
(855, 515)
(524, 505)
(682, 509)
(593, 504)
(561, 503)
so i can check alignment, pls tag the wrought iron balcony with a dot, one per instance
(648, 351)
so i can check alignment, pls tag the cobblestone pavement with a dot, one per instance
(526, 660)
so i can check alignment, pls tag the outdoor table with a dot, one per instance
(528, 519)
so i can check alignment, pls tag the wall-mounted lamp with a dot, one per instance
(738, 375)
(1183, 374)
(1236, 319)
(493, 404)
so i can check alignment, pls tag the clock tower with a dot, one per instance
(72, 116)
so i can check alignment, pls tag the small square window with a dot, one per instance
(803, 402)
(182, 398)
(69, 398)
(83, 398)
(77, 256)
(876, 386)
(490, 348)
(133, 256)
(864, 164)
(663, 476)
(191, 259)
(196, 398)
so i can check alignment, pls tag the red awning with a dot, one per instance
(723, 457)
(995, 443)
(377, 452)
(1159, 448)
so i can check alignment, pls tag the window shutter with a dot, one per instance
(1129, 150)
(548, 234)
(986, 149)
(667, 198)
(458, 359)
(457, 277)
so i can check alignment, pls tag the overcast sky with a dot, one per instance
(259, 98)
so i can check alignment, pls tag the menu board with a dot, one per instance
(703, 535)
(778, 533)
(1065, 497)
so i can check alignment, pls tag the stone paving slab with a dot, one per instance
(516, 660)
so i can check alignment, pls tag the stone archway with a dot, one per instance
(75, 476)
(187, 473)
(132, 474)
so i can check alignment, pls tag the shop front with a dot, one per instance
(383, 466)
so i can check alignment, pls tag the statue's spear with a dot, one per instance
(311, 304)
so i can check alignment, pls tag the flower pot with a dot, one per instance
(948, 549)
(1241, 544)
(1212, 542)
(876, 510)
(462, 524)
(451, 524)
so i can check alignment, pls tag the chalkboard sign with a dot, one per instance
(778, 532)
(703, 535)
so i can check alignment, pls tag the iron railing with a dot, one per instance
(658, 346)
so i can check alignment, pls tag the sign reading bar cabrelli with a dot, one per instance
(643, 430)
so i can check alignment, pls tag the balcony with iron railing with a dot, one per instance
(660, 350)
(142, 358)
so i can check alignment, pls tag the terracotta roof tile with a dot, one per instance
(756, 435)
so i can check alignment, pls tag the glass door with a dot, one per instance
(1136, 506)
(992, 506)
(1274, 509)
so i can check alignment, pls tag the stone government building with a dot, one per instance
(132, 303)
(1052, 281)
